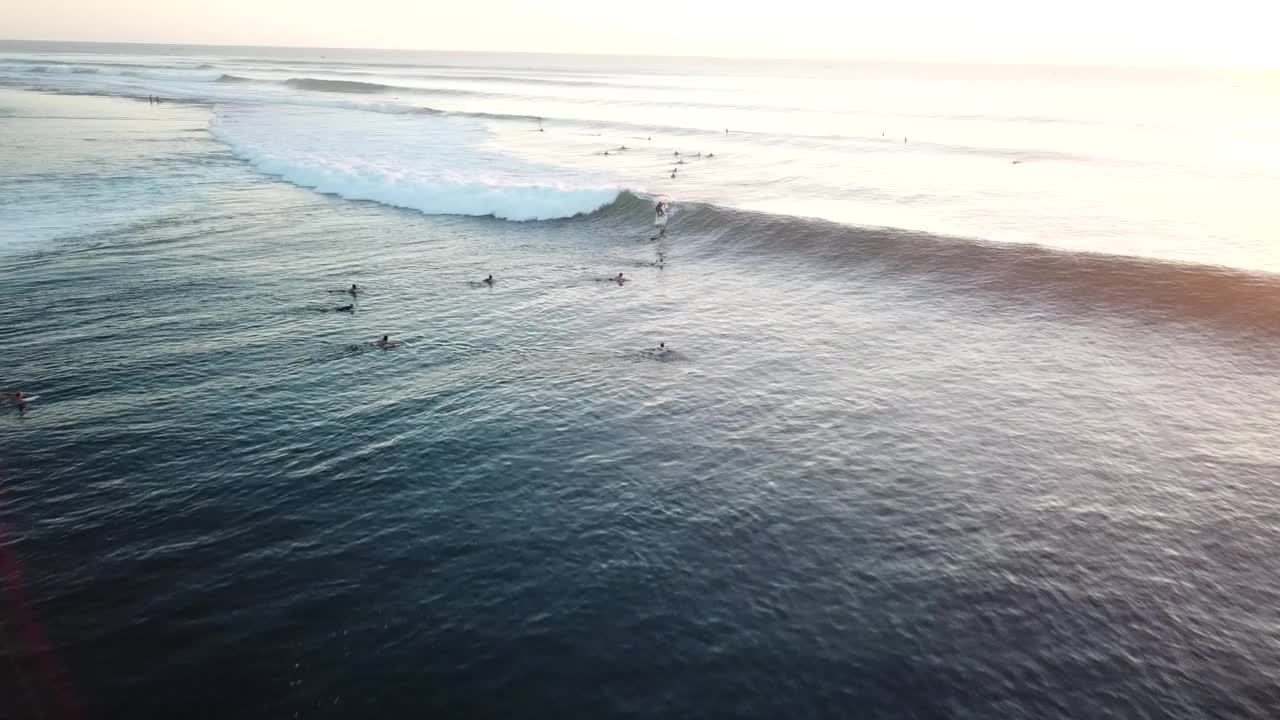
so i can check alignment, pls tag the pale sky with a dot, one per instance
(1219, 32)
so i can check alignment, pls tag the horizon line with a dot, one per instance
(1003, 63)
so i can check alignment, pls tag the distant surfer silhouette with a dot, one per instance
(662, 352)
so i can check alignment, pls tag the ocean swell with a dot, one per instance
(1074, 283)
(344, 86)
(367, 88)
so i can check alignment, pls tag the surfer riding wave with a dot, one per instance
(661, 214)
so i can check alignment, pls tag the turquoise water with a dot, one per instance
(882, 473)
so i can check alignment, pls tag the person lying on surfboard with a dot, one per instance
(352, 291)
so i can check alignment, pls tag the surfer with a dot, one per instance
(661, 214)
(354, 290)
(20, 402)
(385, 343)
(619, 279)
(488, 281)
(662, 352)
(673, 172)
(345, 308)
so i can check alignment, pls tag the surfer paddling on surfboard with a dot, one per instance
(20, 401)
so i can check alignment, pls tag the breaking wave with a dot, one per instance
(343, 86)
(438, 167)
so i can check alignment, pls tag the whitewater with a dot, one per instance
(437, 167)
(1174, 164)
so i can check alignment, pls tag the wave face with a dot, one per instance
(434, 166)
(1243, 303)
(1074, 284)
(340, 86)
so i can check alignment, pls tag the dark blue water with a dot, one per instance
(881, 476)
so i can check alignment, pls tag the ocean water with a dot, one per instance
(976, 425)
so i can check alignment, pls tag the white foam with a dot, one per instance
(433, 164)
